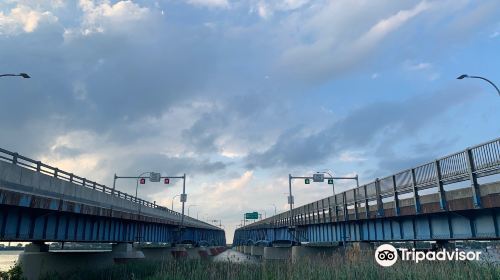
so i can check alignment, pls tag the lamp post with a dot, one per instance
(274, 205)
(173, 198)
(477, 77)
(24, 75)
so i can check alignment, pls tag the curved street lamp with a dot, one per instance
(24, 75)
(173, 198)
(477, 77)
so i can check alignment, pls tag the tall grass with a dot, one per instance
(347, 267)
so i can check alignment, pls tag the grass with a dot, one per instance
(350, 266)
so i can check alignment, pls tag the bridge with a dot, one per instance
(40, 203)
(456, 197)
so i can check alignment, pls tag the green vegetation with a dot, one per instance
(15, 273)
(332, 268)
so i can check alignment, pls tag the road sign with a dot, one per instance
(330, 181)
(154, 177)
(307, 181)
(184, 197)
(166, 181)
(252, 216)
(318, 177)
(142, 181)
(290, 200)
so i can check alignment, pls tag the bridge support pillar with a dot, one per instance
(277, 253)
(157, 253)
(257, 251)
(36, 260)
(124, 252)
(247, 249)
(444, 244)
(362, 246)
(312, 252)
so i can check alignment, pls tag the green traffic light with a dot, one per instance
(308, 181)
(330, 181)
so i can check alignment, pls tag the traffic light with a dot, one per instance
(330, 181)
(166, 181)
(308, 181)
(142, 181)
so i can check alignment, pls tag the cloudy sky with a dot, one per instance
(240, 93)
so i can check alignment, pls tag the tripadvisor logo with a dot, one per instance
(387, 255)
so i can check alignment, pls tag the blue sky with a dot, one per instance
(238, 94)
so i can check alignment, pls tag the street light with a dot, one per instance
(477, 77)
(172, 208)
(24, 75)
(192, 205)
(274, 208)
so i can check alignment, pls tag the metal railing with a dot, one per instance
(55, 172)
(472, 163)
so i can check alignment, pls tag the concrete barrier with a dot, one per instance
(277, 253)
(124, 252)
(257, 251)
(192, 253)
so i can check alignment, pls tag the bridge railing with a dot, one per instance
(43, 168)
(470, 164)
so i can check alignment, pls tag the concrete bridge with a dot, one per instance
(456, 197)
(40, 203)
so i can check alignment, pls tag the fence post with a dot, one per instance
(416, 197)
(471, 168)
(380, 205)
(396, 198)
(439, 183)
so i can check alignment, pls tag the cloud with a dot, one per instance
(98, 18)
(329, 53)
(209, 3)
(23, 19)
(358, 129)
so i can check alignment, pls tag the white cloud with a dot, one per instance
(99, 17)
(351, 156)
(375, 75)
(23, 19)
(210, 3)
(329, 49)
(494, 34)
(418, 66)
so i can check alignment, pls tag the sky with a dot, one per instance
(239, 94)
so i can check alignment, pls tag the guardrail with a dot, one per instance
(55, 172)
(472, 163)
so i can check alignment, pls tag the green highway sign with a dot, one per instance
(252, 216)
(308, 181)
(330, 181)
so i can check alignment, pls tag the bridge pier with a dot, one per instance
(158, 253)
(124, 252)
(311, 252)
(277, 253)
(36, 260)
(247, 249)
(257, 251)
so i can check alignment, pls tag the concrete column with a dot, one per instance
(36, 261)
(247, 249)
(277, 253)
(124, 252)
(310, 252)
(159, 253)
(363, 246)
(257, 251)
(179, 252)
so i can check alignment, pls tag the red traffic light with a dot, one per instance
(142, 181)
(166, 181)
